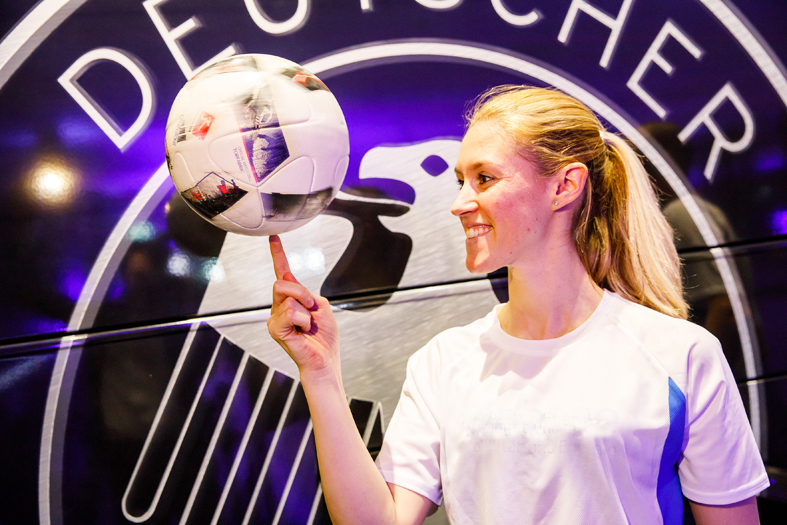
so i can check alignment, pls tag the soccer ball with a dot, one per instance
(256, 144)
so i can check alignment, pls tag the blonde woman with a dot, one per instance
(587, 397)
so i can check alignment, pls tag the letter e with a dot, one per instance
(652, 56)
(171, 37)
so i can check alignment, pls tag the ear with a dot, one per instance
(568, 184)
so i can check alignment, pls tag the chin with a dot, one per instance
(480, 267)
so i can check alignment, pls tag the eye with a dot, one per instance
(483, 179)
(460, 183)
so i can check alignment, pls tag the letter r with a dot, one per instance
(705, 116)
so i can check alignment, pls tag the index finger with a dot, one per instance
(280, 264)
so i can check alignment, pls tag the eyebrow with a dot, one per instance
(473, 167)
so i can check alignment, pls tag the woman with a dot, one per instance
(587, 397)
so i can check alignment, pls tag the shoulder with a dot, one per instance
(655, 328)
(452, 344)
(676, 344)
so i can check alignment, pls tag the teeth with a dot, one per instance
(475, 231)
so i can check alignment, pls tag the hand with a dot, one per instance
(301, 322)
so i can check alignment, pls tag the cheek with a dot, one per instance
(520, 218)
(516, 214)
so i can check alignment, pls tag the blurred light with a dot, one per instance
(18, 139)
(52, 183)
(141, 232)
(770, 161)
(14, 373)
(212, 270)
(764, 192)
(71, 283)
(117, 289)
(307, 262)
(78, 132)
(46, 325)
(179, 265)
(779, 222)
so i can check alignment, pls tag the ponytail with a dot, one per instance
(622, 238)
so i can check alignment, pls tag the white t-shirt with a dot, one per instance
(606, 424)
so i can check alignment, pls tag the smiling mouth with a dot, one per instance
(477, 231)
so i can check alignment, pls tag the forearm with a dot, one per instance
(740, 513)
(355, 492)
(304, 325)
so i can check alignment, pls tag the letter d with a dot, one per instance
(69, 80)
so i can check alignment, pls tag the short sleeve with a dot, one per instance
(721, 462)
(410, 455)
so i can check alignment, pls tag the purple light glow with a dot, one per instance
(779, 222)
(18, 139)
(117, 289)
(770, 161)
(45, 325)
(77, 132)
(71, 283)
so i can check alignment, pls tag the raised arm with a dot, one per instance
(355, 492)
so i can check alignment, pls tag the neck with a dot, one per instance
(549, 298)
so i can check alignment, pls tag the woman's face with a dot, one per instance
(504, 206)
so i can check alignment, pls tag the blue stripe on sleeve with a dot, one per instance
(668, 491)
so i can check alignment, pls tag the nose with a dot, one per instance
(465, 202)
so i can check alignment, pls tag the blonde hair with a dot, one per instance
(622, 238)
